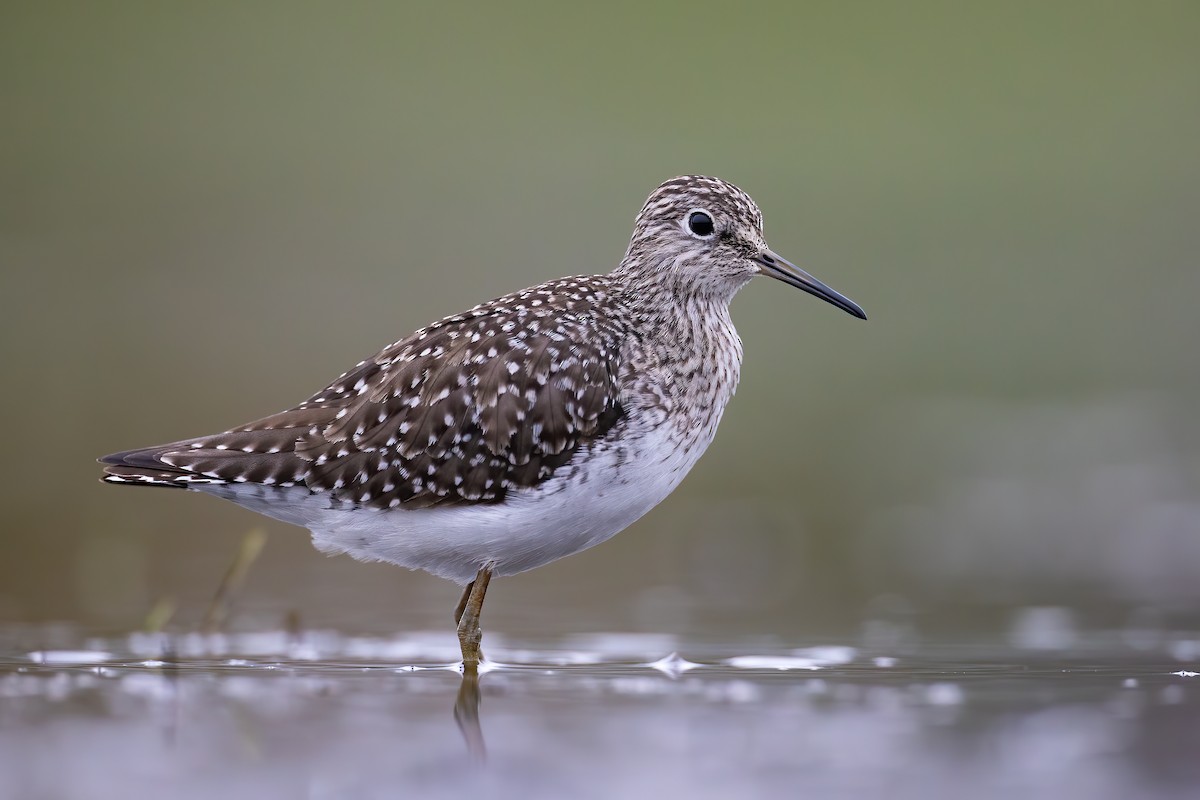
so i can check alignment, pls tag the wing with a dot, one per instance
(463, 411)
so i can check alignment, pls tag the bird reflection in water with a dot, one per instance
(466, 714)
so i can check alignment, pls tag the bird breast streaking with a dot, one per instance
(525, 429)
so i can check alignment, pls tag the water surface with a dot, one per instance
(326, 715)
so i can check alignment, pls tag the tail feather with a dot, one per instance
(138, 476)
(266, 457)
(263, 451)
(143, 467)
(145, 457)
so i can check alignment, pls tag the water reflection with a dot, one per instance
(466, 714)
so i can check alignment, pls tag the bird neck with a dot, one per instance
(694, 318)
(682, 355)
(668, 278)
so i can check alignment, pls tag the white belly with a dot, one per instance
(572, 511)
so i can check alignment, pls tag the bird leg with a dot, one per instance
(462, 602)
(467, 616)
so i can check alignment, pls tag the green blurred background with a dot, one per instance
(208, 210)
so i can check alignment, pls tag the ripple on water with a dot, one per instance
(317, 709)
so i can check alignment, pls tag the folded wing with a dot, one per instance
(463, 411)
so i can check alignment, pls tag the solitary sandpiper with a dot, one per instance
(526, 429)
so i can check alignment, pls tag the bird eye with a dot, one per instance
(700, 223)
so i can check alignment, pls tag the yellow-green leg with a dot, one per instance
(466, 616)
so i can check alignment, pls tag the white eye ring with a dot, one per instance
(699, 223)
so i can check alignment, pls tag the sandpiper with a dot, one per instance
(526, 429)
